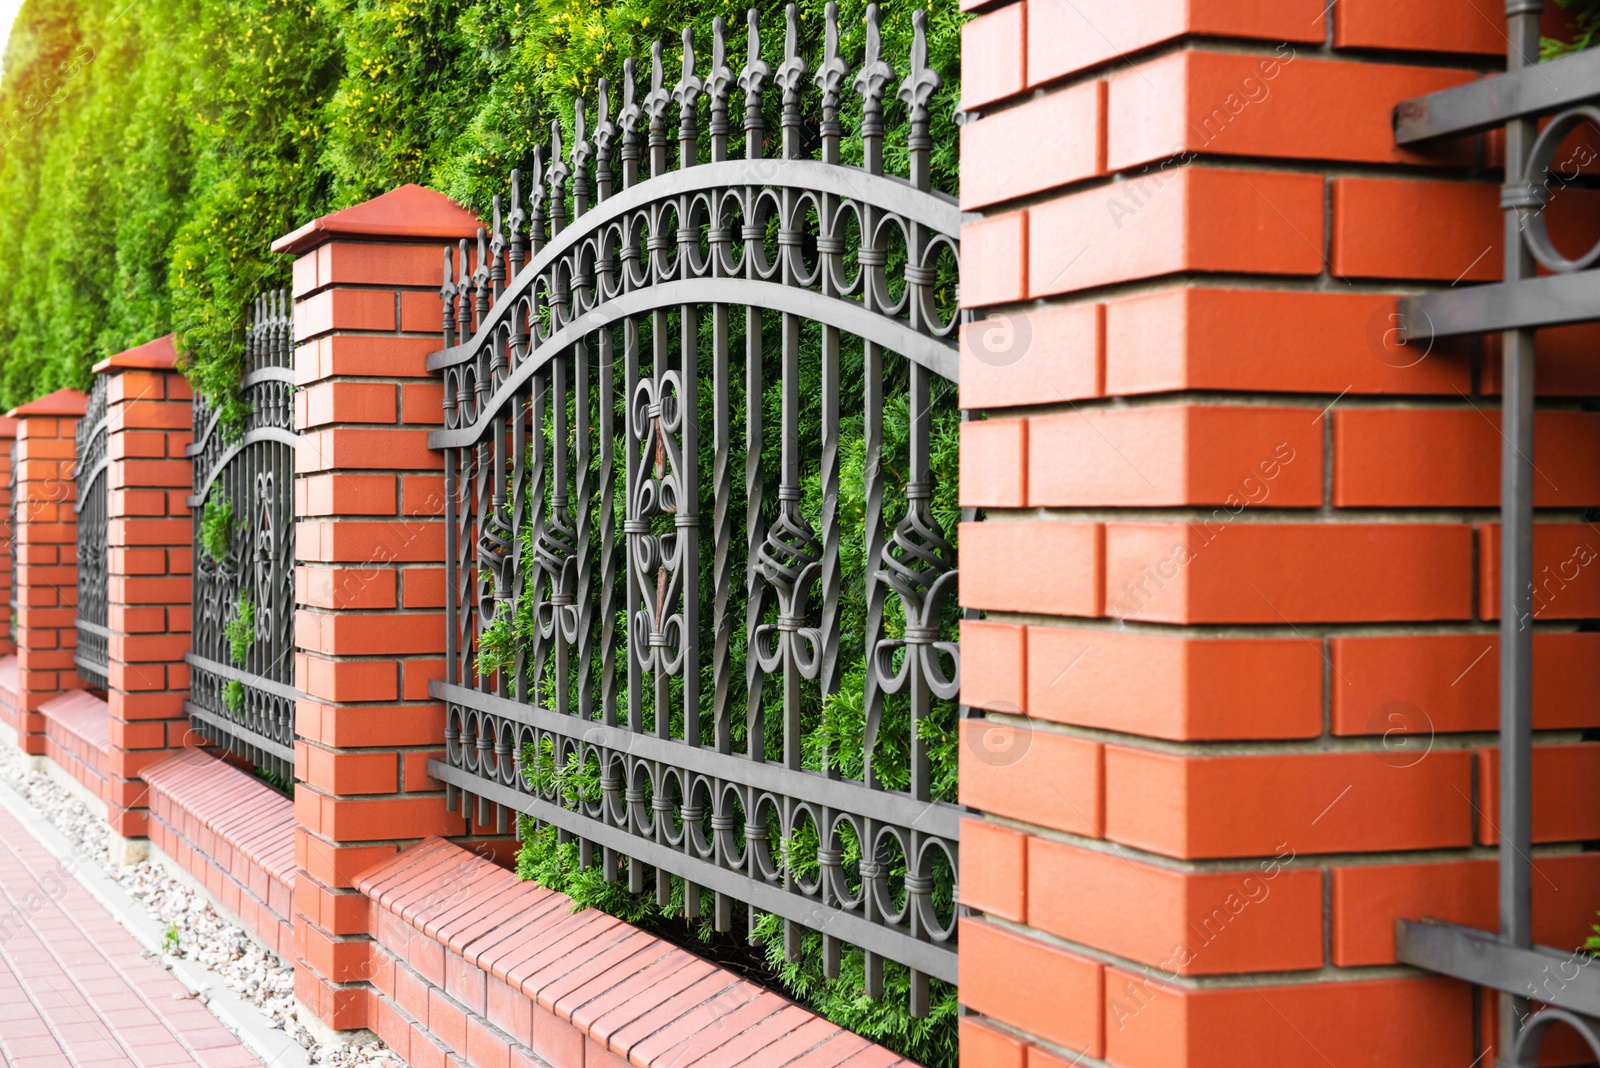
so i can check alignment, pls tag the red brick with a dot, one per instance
(1032, 356)
(1171, 455)
(343, 309)
(1061, 1000)
(1263, 918)
(994, 870)
(1031, 566)
(1070, 35)
(983, 1046)
(994, 51)
(1282, 105)
(1451, 230)
(1367, 899)
(1566, 585)
(345, 402)
(1257, 805)
(994, 463)
(1243, 572)
(1563, 362)
(1173, 220)
(1560, 773)
(1037, 775)
(1049, 141)
(993, 665)
(1421, 1023)
(1454, 458)
(1417, 685)
(352, 773)
(1476, 26)
(1175, 688)
(994, 260)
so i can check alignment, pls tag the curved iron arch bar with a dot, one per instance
(934, 210)
(254, 378)
(87, 483)
(940, 357)
(266, 433)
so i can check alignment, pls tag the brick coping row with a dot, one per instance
(233, 834)
(77, 737)
(475, 966)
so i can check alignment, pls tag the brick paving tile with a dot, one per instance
(75, 988)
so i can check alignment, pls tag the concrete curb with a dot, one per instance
(269, 1045)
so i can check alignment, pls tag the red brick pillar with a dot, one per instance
(1236, 550)
(369, 499)
(45, 535)
(8, 645)
(150, 539)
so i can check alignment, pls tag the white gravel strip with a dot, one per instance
(192, 929)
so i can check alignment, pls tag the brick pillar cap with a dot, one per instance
(61, 402)
(410, 213)
(8, 427)
(158, 355)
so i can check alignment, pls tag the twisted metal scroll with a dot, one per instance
(93, 498)
(248, 708)
(569, 340)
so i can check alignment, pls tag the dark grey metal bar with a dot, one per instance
(1526, 91)
(1525, 304)
(1568, 980)
(1516, 547)
(931, 817)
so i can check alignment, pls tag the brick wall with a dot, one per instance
(151, 547)
(1237, 551)
(369, 496)
(46, 545)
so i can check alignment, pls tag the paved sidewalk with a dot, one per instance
(74, 987)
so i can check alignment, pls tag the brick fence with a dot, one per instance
(1237, 551)
(1231, 575)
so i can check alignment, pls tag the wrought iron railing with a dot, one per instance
(1540, 105)
(242, 694)
(93, 486)
(644, 632)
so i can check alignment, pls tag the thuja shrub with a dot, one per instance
(148, 156)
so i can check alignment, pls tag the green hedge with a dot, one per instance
(153, 149)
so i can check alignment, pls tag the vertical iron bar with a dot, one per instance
(1516, 549)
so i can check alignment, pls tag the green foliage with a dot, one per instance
(281, 783)
(1583, 26)
(150, 153)
(216, 526)
(169, 939)
(240, 631)
(233, 695)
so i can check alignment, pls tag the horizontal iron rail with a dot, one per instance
(936, 959)
(229, 727)
(86, 481)
(1476, 956)
(255, 682)
(1489, 102)
(937, 355)
(1527, 305)
(931, 817)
